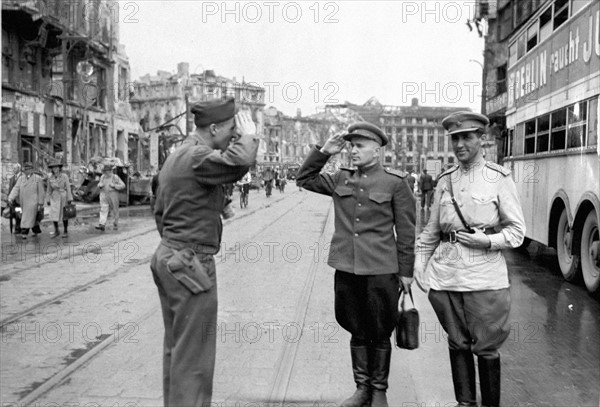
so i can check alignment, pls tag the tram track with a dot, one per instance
(40, 388)
(122, 269)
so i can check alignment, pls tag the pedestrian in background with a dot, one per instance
(426, 188)
(188, 210)
(459, 255)
(372, 250)
(410, 179)
(110, 184)
(58, 195)
(29, 190)
(13, 213)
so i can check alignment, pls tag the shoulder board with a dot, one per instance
(497, 167)
(347, 169)
(397, 173)
(448, 171)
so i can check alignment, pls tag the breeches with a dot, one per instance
(366, 306)
(475, 321)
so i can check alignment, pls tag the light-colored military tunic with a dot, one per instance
(487, 197)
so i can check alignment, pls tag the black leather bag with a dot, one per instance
(407, 324)
(69, 211)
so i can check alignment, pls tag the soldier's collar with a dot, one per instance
(368, 169)
(472, 166)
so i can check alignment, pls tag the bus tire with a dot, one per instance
(590, 244)
(567, 261)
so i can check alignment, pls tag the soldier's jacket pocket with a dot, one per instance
(482, 199)
(189, 271)
(380, 197)
(343, 191)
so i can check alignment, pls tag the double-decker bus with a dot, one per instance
(552, 120)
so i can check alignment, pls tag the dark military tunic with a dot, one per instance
(190, 197)
(369, 206)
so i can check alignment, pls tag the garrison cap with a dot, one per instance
(459, 122)
(366, 130)
(213, 111)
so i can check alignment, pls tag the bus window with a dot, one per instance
(561, 12)
(593, 121)
(577, 117)
(543, 134)
(546, 24)
(518, 139)
(558, 135)
(530, 137)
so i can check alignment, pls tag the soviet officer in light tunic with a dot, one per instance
(476, 214)
(371, 203)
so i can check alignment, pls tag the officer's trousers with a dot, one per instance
(366, 306)
(109, 201)
(190, 332)
(475, 321)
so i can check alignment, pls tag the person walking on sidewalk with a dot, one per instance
(29, 190)
(476, 214)
(58, 195)
(13, 213)
(370, 203)
(188, 209)
(426, 187)
(110, 184)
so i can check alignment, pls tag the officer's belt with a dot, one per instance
(451, 236)
(198, 248)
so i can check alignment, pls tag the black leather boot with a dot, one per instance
(489, 380)
(380, 370)
(360, 368)
(463, 377)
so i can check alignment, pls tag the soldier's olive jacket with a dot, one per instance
(190, 196)
(370, 204)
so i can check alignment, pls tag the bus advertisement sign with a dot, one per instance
(571, 54)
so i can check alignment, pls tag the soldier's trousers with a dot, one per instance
(109, 201)
(190, 329)
(475, 321)
(366, 306)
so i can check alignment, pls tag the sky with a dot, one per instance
(308, 54)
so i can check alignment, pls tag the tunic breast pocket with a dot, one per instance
(343, 191)
(485, 206)
(380, 197)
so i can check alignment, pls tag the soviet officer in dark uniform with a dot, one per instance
(189, 203)
(476, 213)
(370, 203)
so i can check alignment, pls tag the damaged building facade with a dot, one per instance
(65, 85)
(162, 100)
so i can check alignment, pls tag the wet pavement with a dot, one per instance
(278, 339)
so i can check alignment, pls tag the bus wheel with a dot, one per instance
(590, 256)
(568, 262)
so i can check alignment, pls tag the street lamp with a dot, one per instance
(483, 82)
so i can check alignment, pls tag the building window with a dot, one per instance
(558, 130)
(441, 139)
(501, 79)
(530, 137)
(543, 134)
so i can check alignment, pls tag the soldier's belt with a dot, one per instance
(198, 248)
(451, 236)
